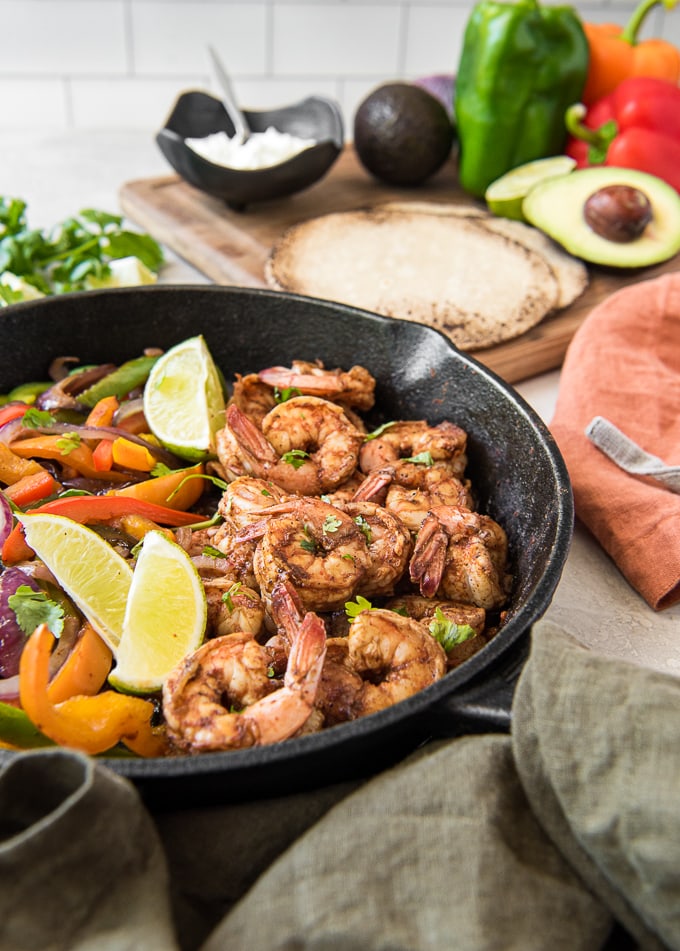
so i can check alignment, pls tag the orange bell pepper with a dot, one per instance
(102, 455)
(173, 490)
(130, 455)
(77, 457)
(103, 411)
(616, 54)
(85, 669)
(13, 467)
(91, 724)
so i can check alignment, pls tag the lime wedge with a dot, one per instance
(504, 197)
(165, 616)
(184, 401)
(96, 577)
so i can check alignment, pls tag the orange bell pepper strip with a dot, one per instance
(85, 670)
(173, 490)
(93, 508)
(130, 455)
(14, 467)
(92, 724)
(71, 454)
(103, 411)
(617, 54)
(32, 488)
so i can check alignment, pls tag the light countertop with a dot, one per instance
(60, 174)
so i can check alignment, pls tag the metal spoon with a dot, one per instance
(239, 121)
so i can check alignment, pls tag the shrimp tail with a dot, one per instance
(429, 556)
(374, 484)
(286, 608)
(248, 436)
(307, 383)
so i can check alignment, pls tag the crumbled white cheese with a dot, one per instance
(261, 150)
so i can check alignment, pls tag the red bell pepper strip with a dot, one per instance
(637, 126)
(31, 488)
(93, 508)
(11, 411)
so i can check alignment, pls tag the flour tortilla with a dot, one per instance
(449, 271)
(571, 273)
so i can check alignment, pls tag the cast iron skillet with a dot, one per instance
(514, 463)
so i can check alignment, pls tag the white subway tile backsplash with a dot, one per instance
(97, 64)
(64, 37)
(171, 38)
(346, 39)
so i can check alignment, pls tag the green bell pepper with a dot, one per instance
(521, 66)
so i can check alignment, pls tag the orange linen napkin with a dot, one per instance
(624, 364)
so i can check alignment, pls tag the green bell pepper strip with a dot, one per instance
(521, 66)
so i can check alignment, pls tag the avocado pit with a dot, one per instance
(618, 213)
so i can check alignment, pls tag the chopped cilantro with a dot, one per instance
(68, 442)
(33, 608)
(354, 608)
(447, 632)
(379, 431)
(295, 457)
(331, 524)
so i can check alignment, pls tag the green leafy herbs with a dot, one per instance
(379, 431)
(331, 524)
(447, 632)
(211, 552)
(354, 608)
(68, 256)
(295, 457)
(365, 528)
(37, 418)
(308, 543)
(287, 393)
(67, 443)
(33, 608)
(421, 459)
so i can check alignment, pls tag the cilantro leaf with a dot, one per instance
(354, 608)
(447, 632)
(379, 431)
(296, 457)
(33, 608)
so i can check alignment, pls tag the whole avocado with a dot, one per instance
(402, 134)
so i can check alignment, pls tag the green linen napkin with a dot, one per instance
(538, 840)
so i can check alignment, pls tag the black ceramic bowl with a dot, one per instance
(514, 463)
(198, 114)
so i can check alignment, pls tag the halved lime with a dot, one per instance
(504, 197)
(96, 577)
(184, 400)
(165, 616)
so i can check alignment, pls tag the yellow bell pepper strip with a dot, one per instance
(14, 467)
(136, 526)
(92, 508)
(103, 411)
(174, 490)
(616, 54)
(91, 724)
(32, 488)
(85, 670)
(131, 455)
(70, 453)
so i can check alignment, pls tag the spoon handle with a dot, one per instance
(241, 128)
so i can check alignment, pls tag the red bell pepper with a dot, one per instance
(636, 126)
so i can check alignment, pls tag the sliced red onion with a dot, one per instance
(12, 638)
(11, 430)
(6, 518)
(9, 688)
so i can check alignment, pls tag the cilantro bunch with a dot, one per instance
(65, 257)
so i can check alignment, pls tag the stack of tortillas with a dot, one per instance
(480, 279)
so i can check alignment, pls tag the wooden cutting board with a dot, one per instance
(232, 247)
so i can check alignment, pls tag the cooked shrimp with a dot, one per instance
(232, 607)
(389, 547)
(253, 397)
(426, 610)
(394, 655)
(245, 498)
(317, 547)
(307, 445)
(444, 443)
(340, 686)
(462, 556)
(233, 671)
(354, 387)
(410, 491)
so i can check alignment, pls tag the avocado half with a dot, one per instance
(556, 207)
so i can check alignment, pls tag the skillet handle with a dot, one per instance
(485, 704)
